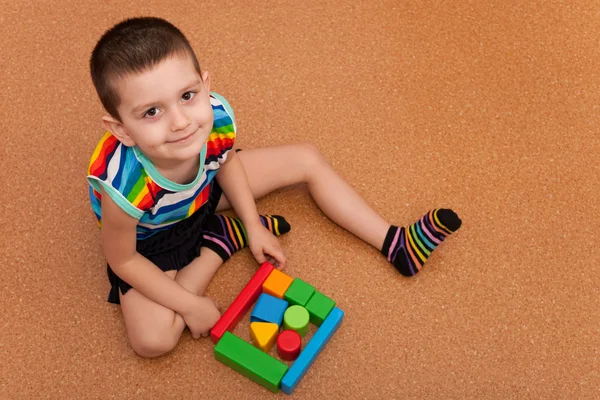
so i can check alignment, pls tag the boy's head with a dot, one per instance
(130, 47)
(150, 83)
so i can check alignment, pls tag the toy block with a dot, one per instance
(311, 351)
(319, 307)
(268, 309)
(241, 304)
(277, 283)
(299, 292)
(296, 318)
(250, 361)
(264, 334)
(288, 345)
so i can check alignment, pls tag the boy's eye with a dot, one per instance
(188, 95)
(151, 112)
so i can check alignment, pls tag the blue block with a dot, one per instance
(268, 309)
(311, 351)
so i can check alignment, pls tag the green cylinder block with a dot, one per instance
(297, 319)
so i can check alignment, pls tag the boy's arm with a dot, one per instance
(119, 245)
(233, 180)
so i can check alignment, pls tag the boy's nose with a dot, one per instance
(179, 120)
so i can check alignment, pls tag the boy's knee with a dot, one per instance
(152, 344)
(311, 156)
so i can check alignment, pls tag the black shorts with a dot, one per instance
(174, 248)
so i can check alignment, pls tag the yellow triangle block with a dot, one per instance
(264, 334)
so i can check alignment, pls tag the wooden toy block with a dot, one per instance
(268, 309)
(319, 306)
(288, 345)
(277, 283)
(311, 351)
(250, 361)
(241, 304)
(299, 292)
(264, 334)
(296, 318)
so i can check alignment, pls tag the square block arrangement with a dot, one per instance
(253, 361)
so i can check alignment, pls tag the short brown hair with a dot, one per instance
(133, 46)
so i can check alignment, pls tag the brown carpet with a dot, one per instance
(486, 107)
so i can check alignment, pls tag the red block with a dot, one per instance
(288, 345)
(241, 304)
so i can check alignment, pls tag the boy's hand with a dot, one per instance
(201, 316)
(265, 246)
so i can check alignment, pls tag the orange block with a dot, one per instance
(277, 283)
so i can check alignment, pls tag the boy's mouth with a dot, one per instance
(183, 139)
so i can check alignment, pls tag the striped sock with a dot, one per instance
(408, 248)
(225, 235)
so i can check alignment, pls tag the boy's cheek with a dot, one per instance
(155, 135)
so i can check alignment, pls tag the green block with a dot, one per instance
(298, 293)
(319, 306)
(296, 318)
(250, 361)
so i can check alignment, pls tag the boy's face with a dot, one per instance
(165, 111)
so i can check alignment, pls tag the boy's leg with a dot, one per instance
(406, 248)
(225, 235)
(153, 329)
(303, 163)
(196, 276)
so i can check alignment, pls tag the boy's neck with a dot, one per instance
(183, 172)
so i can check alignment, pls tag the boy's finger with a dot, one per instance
(219, 307)
(279, 256)
(259, 256)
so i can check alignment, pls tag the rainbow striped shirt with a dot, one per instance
(133, 183)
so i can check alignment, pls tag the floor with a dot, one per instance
(488, 107)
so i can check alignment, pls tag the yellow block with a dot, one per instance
(264, 334)
(277, 283)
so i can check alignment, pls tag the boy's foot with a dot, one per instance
(225, 235)
(408, 248)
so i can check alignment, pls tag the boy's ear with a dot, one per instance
(118, 129)
(206, 80)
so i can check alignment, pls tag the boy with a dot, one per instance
(165, 167)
